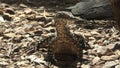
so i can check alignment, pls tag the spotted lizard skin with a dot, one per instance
(66, 48)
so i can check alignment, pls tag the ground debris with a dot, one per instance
(25, 34)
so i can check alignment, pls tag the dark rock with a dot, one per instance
(93, 9)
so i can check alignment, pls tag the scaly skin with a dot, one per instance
(65, 50)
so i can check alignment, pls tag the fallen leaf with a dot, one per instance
(2, 19)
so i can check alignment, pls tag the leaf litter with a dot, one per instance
(23, 28)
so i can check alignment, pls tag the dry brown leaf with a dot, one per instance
(10, 35)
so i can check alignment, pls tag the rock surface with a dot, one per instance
(93, 9)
